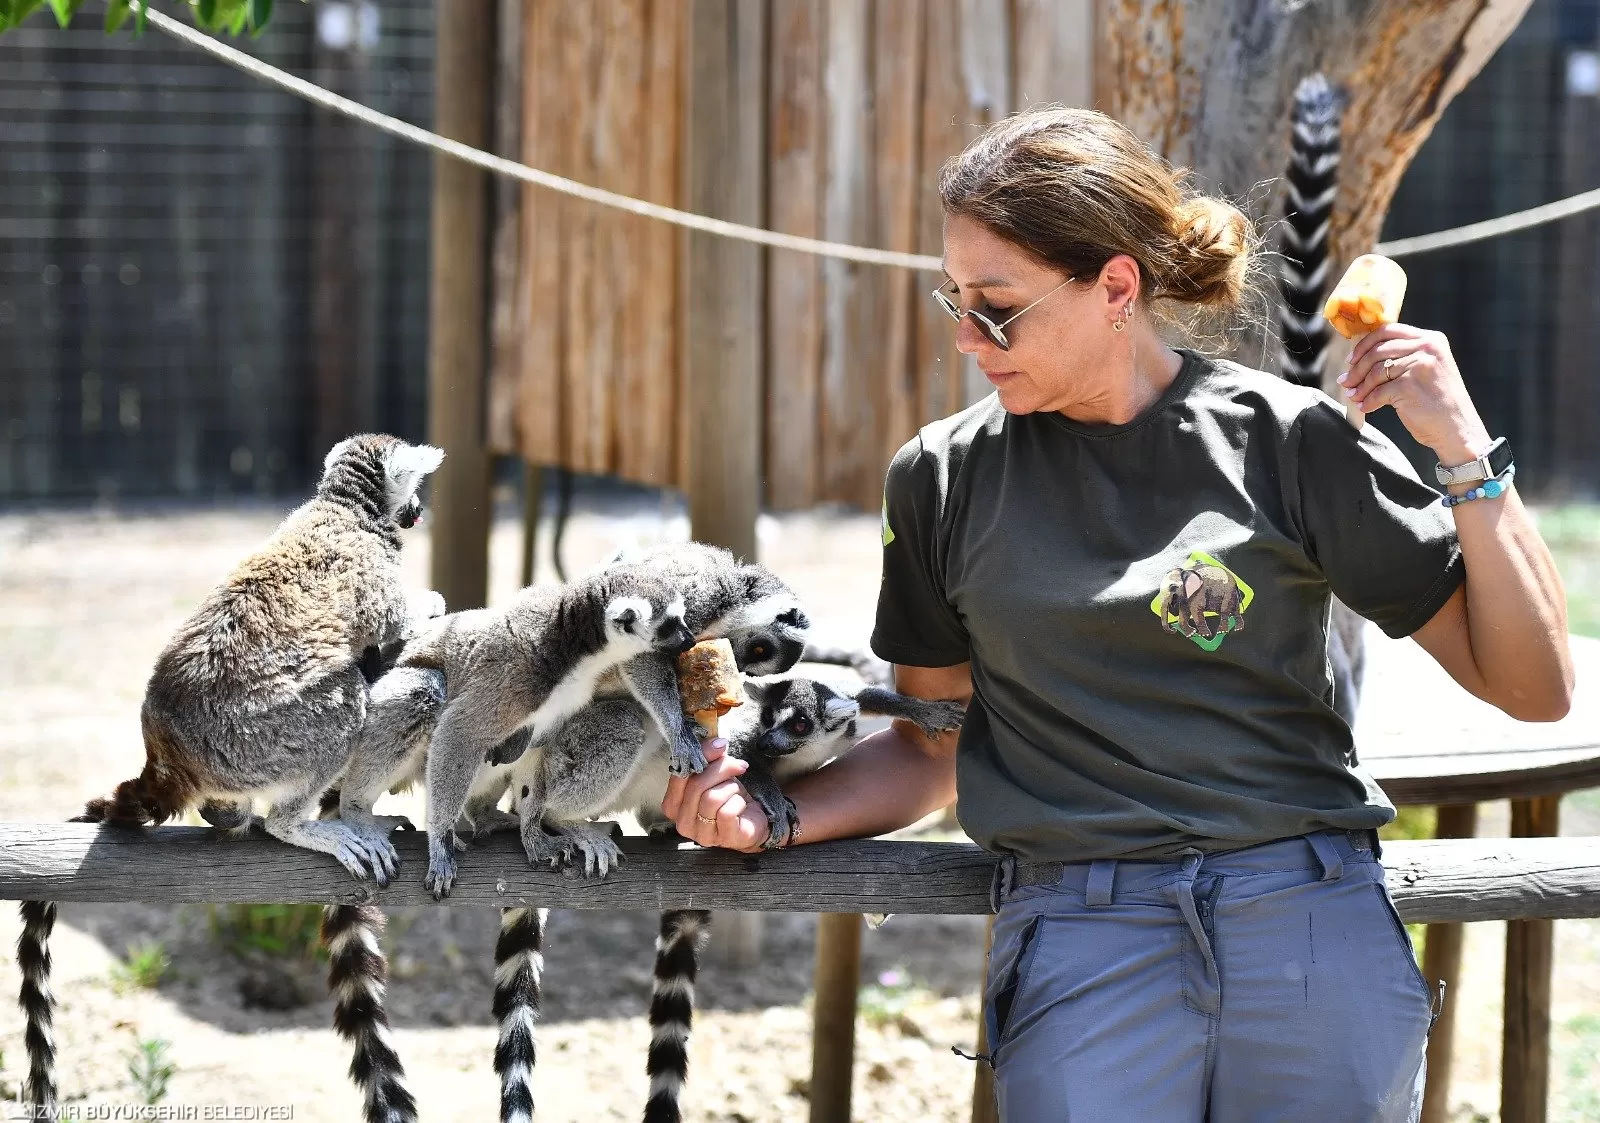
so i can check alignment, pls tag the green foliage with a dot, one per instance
(1573, 534)
(280, 931)
(1578, 1096)
(151, 1069)
(143, 968)
(231, 16)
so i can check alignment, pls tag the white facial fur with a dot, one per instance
(406, 467)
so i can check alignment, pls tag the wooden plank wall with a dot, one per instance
(865, 101)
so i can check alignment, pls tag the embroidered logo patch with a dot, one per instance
(888, 531)
(1203, 600)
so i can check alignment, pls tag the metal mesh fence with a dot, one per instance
(201, 279)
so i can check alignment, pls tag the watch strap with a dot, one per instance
(1491, 464)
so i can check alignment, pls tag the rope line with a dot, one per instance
(501, 166)
(1492, 227)
(1399, 247)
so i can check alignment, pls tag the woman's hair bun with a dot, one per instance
(1211, 263)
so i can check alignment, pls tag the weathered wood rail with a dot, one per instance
(1440, 881)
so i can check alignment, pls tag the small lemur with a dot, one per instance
(260, 692)
(723, 599)
(793, 726)
(1311, 182)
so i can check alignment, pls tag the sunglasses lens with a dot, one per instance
(991, 332)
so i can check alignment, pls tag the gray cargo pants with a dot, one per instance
(1266, 984)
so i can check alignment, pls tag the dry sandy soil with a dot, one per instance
(87, 597)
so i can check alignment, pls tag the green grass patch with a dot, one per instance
(1572, 532)
(142, 969)
(151, 1069)
(278, 931)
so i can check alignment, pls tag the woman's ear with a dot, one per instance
(1119, 281)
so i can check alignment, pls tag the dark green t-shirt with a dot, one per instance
(1146, 610)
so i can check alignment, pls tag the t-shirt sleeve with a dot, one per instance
(1386, 546)
(916, 626)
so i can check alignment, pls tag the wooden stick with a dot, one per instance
(1530, 957)
(985, 1108)
(833, 1035)
(1442, 961)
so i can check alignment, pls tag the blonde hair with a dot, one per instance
(1074, 188)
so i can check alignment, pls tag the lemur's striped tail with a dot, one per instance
(38, 1004)
(518, 965)
(357, 972)
(1312, 179)
(683, 934)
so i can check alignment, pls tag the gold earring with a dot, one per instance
(1122, 320)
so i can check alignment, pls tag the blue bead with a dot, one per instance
(1494, 489)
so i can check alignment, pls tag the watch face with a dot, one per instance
(1499, 457)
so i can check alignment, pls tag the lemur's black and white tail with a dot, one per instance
(1312, 179)
(518, 965)
(38, 1004)
(683, 934)
(357, 972)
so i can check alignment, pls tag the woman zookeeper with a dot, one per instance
(1122, 560)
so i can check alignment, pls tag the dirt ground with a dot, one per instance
(88, 596)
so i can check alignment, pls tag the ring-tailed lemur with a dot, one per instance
(793, 726)
(260, 693)
(1312, 182)
(723, 599)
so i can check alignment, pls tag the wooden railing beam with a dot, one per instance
(1432, 881)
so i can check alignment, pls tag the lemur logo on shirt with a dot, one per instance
(1203, 600)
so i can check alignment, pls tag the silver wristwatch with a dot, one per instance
(1486, 467)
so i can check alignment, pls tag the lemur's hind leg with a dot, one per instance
(402, 710)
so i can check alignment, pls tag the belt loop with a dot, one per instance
(1102, 878)
(1001, 883)
(1328, 855)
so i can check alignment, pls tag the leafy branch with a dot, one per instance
(232, 16)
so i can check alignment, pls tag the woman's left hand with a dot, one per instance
(1412, 370)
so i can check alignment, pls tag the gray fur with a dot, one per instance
(527, 667)
(260, 694)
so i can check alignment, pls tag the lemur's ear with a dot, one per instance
(416, 460)
(755, 691)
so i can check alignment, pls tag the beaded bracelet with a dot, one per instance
(1489, 489)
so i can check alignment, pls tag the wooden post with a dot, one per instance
(464, 71)
(1441, 961)
(1530, 956)
(985, 1108)
(724, 279)
(833, 1032)
(724, 301)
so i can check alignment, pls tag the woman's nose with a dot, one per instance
(969, 340)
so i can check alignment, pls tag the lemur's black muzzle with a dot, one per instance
(684, 640)
(409, 515)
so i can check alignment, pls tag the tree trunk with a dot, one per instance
(1208, 83)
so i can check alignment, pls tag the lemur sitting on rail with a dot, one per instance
(260, 693)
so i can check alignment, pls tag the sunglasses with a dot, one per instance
(993, 332)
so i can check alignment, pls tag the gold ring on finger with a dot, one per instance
(703, 819)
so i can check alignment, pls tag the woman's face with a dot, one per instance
(1058, 349)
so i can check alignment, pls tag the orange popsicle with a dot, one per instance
(1366, 298)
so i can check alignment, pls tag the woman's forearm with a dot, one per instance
(883, 784)
(1516, 609)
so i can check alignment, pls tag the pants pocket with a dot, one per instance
(1406, 948)
(1003, 998)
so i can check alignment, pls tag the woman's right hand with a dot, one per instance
(712, 808)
